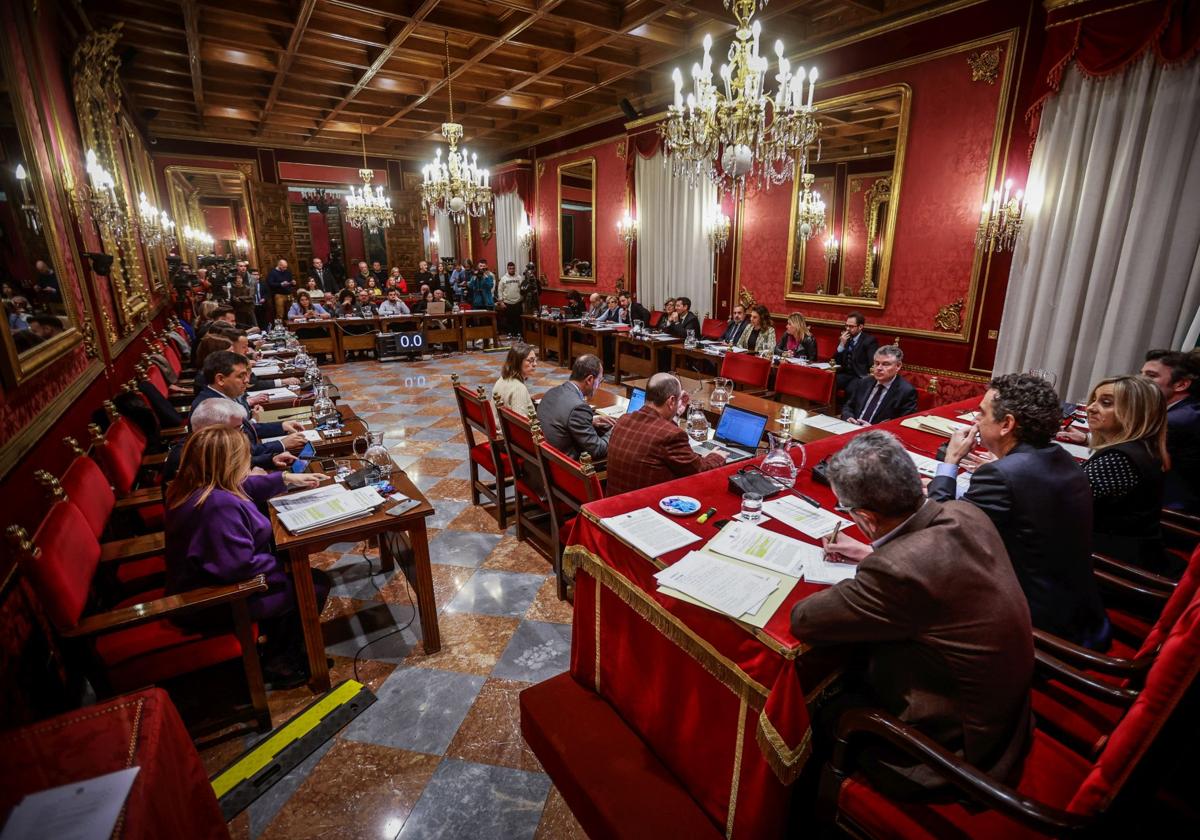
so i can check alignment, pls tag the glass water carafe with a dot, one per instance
(323, 409)
(375, 454)
(779, 463)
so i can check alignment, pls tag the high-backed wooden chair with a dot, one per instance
(136, 642)
(521, 438)
(748, 372)
(487, 454)
(572, 484)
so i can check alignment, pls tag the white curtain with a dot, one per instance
(1110, 263)
(510, 215)
(447, 241)
(673, 254)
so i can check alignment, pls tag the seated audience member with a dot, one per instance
(597, 306)
(364, 305)
(1127, 419)
(682, 319)
(346, 307)
(399, 283)
(612, 310)
(45, 326)
(855, 351)
(797, 341)
(647, 447)
(512, 388)
(216, 534)
(378, 273)
(421, 306)
(221, 413)
(18, 313)
(315, 292)
(393, 305)
(373, 288)
(759, 335)
(1177, 376)
(884, 395)
(736, 326)
(204, 320)
(1039, 500)
(665, 315)
(632, 310)
(568, 421)
(936, 609)
(305, 308)
(352, 287)
(228, 375)
(574, 307)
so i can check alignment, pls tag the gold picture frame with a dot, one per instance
(590, 164)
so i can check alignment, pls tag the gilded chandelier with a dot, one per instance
(810, 209)
(1001, 220)
(154, 226)
(366, 207)
(458, 185)
(741, 135)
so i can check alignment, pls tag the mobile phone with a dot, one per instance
(299, 465)
(307, 452)
(403, 507)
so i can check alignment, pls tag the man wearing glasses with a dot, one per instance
(939, 613)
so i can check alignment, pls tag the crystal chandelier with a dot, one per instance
(99, 196)
(367, 208)
(457, 186)
(154, 226)
(742, 135)
(1001, 220)
(810, 209)
(197, 240)
(716, 227)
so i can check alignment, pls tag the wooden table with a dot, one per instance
(640, 356)
(297, 551)
(444, 329)
(322, 338)
(695, 360)
(583, 340)
(478, 325)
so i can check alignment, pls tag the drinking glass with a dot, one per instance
(639, 327)
(751, 507)
(690, 341)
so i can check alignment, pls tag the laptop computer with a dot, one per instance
(737, 435)
(436, 307)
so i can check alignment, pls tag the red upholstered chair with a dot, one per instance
(1057, 792)
(808, 383)
(521, 438)
(827, 343)
(135, 642)
(657, 318)
(748, 372)
(119, 454)
(713, 328)
(478, 419)
(572, 485)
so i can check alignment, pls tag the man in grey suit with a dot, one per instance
(936, 604)
(1040, 501)
(568, 422)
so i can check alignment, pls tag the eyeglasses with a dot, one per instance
(840, 508)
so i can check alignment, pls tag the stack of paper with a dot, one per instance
(830, 424)
(649, 531)
(266, 369)
(808, 520)
(614, 410)
(820, 365)
(820, 570)
(715, 583)
(935, 425)
(752, 544)
(278, 393)
(331, 509)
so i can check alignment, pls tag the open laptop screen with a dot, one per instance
(636, 400)
(744, 428)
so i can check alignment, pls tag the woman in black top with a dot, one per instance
(1127, 421)
(797, 341)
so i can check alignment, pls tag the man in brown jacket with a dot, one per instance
(937, 606)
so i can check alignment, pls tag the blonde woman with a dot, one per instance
(797, 342)
(759, 337)
(1127, 421)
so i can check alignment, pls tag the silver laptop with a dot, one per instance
(737, 435)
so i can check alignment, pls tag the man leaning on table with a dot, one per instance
(569, 423)
(938, 612)
(647, 447)
(884, 394)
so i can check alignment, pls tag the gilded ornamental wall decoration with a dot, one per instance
(949, 317)
(985, 65)
(622, 148)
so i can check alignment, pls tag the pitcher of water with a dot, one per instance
(323, 409)
(697, 424)
(374, 453)
(779, 463)
(689, 343)
(721, 393)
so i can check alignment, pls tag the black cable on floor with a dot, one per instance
(411, 597)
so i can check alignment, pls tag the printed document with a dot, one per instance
(292, 501)
(752, 544)
(649, 531)
(799, 514)
(830, 424)
(733, 590)
(350, 504)
(820, 570)
(85, 810)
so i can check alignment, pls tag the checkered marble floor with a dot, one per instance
(440, 754)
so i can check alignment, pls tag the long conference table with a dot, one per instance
(339, 336)
(724, 705)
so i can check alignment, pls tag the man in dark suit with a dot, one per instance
(568, 422)
(631, 310)
(1177, 375)
(682, 319)
(1040, 501)
(326, 282)
(282, 285)
(262, 298)
(884, 395)
(855, 350)
(737, 325)
(938, 612)
(228, 375)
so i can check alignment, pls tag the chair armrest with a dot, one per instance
(1082, 657)
(970, 780)
(133, 548)
(1064, 673)
(140, 498)
(1133, 573)
(156, 460)
(1120, 584)
(1183, 520)
(173, 432)
(169, 606)
(1178, 528)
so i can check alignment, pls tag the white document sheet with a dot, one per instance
(926, 466)
(752, 544)
(309, 434)
(292, 501)
(348, 505)
(733, 590)
(830, 424)
(808, 520)
(279, 393)
(266, 370)
(649, 531)
(820, 570)
(86, 810)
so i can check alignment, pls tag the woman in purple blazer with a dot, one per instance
(215, 534)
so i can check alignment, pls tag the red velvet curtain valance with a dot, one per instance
(518, 180)
(645, 143)
(1101, 42)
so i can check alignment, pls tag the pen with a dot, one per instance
(836, 530)
(808, 499)
(704, 516)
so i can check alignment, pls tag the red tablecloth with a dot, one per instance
(722, 704)
(171, 796)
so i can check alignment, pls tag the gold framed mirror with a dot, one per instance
(577, 221)
(863, 141)
(41, 322)
(216, 201)
(141, 175)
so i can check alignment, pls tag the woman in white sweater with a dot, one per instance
(519, 366)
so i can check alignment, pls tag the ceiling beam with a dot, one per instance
(285, 60)
(191, 25)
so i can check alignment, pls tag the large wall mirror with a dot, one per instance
(863, 138)
(577, 221)
(217, 202)
(40, 322)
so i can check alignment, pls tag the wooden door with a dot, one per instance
(273, 238)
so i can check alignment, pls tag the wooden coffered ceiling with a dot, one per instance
(306, 73)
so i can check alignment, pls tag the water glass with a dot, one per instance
(690, 341)
(751, 507)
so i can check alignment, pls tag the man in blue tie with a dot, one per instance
(737, 325)
(855, 352)
(884, 395)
